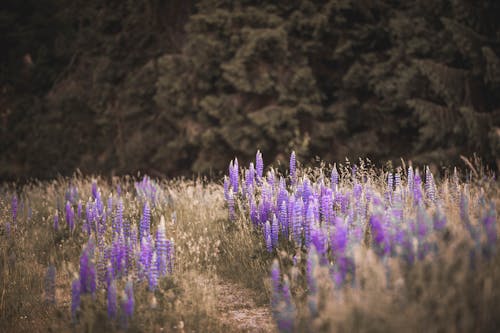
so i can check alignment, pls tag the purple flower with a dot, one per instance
(274, 232)
(297, 222)
(327, 206)
(490, 228)
(411, 179)
(145, 258)
(230, 205)
(128, 301)
(170, 255)
(259, 165)
(249, 180)
(161, 248)
(293, 167)
(308, 223)
(430, 186)
(439, 219)
(70, 218)
(379, 235)
(417, 190)
(226, 188)
(75, 298)
(397, 180)
(153, 273)
(234, 175)
(275, 283)
(267, 236)
(14, 208)
(145, 227)
(334, 178)
(287, 314)
(339, 237)
(87, 269)
(112, 306)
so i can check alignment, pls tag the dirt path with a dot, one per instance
(239, 310)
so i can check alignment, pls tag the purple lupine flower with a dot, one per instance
(408, 252)
(397, 206)
(455, 185)
(357, 191)
(318, 239)
(430, 186)
(87, 270)
(339, 237)
(390, 187)
(95, 191)
(344, 203)
(75, 298)
(417, 190)
(490, 228)
(276, 290)
(287, 315)
(153, 273)
(230, 205)
(259, 166)
(145, 257)
(254, 213)
(15, 206)
(267, 236)
(344, 265)
(118, 254)
(411, 180)
(283, 218)
(118, 225)
(271, 178)
(112, 306)
(170, 255)
(128, 301)
(274, 232)
(70, 219)
(379, 234)
(234, 175)
(397, 180)
(161, 248)
(422, 223)
(307, 224)
(110, 275)
(334, 178)
(262, 212)
(293, 168)
(56, 221)
(306, 191)
(50, 285)
(326, 206)
(249, 180)
(297, 222)
(226, 188)
(439, 219)
(145, 227)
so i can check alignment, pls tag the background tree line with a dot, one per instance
(178, 87)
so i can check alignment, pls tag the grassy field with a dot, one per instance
(347, 248)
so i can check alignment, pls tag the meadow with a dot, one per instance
(347, 247)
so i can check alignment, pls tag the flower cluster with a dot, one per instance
(329, 218)
(118, 253)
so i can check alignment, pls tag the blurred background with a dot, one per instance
(176, 87)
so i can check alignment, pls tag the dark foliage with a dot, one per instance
(178, 87)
